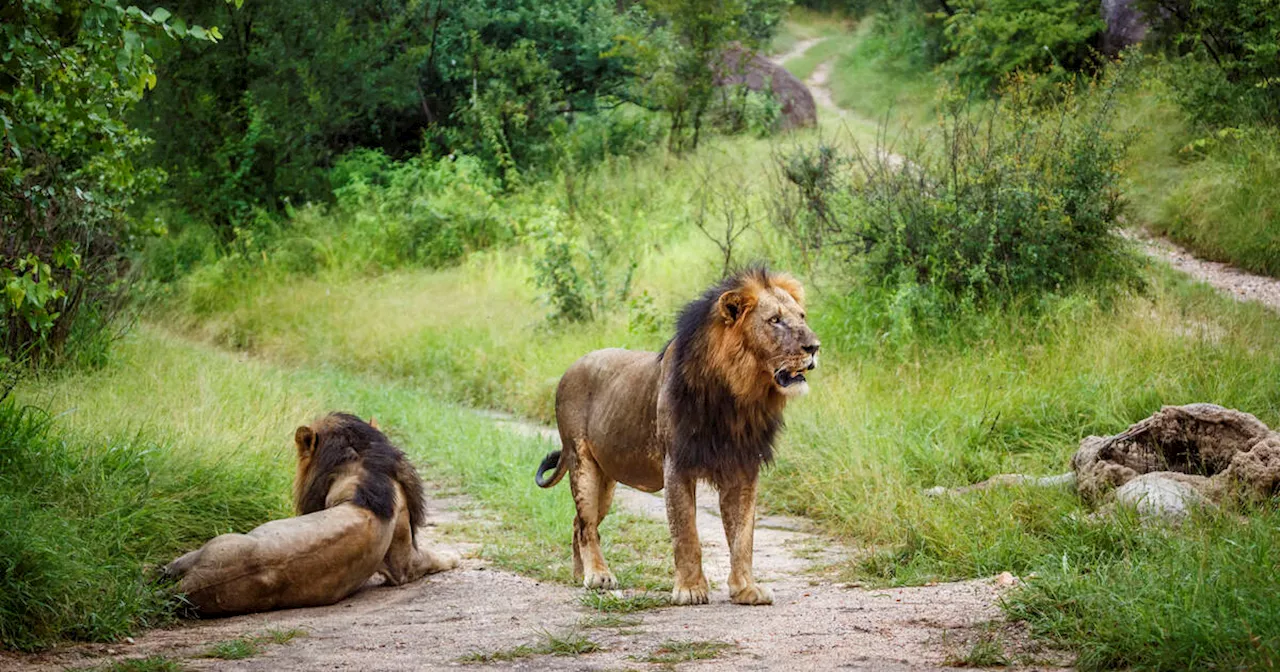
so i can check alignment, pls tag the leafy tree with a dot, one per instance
(679, 65)
(69, 72)
(297, 84)
(1226, 57)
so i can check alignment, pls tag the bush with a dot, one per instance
(423, 212)
(69, 74)
(1226, 58)
(990, 39)
(1015, 199)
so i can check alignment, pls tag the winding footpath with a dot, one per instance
(1239, 284)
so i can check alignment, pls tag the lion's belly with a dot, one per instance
(621, 420)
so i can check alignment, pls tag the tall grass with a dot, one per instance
(173, 443)
(86, 519)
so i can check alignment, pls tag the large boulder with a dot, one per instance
(1178, 457)
(1125, 25)
(738, 65)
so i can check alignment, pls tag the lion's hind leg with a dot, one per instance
(592, 495)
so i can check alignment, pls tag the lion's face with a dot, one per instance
(772, 324)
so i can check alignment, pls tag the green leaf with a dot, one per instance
(160, 14)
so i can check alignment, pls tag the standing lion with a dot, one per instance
(359, 504)
(705, 408)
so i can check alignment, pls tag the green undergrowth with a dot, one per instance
(1213, 192)
(174, 442)
(1151, 598)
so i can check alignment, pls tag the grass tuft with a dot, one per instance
(608, 602)
(249, 646)
(150, 664)
(673, 651)
(569, 644)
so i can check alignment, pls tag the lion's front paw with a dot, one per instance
(695, 594)
(752, 593)
(440, 561)
(599, 580)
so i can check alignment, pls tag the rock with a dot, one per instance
(1006, 580)
(738, 65)
(1202, 449)
(1155, 495)
(1125, 25)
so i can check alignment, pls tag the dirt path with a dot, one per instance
(815, 623)
(796, 49)
(1238, 284)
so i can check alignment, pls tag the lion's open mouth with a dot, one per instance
(786, 378)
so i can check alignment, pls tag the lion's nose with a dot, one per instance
(812, 348)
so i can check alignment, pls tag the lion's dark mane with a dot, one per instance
(715, 436)
(342, 438)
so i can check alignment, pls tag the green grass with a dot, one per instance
(249, 646)
(150, 664)
(1225, 204)
(873, 79)
(804, 24)
(1201, 597)
(674, 651)
(1214, 194)
(828, 48)
(606, 602)
(569, 644)
(99, 510)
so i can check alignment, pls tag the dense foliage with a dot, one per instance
(990, 39)
(1226, 57)
(259, 119)
(69, 73)
(1013, 201)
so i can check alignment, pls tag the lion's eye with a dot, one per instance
(775, 319)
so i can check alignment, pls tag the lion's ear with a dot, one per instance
(305, 439)
(373, 422)
(734, 304)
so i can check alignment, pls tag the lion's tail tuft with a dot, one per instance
(551, 461)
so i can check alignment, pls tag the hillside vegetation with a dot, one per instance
(979, 310)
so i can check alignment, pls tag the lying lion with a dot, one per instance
(705, 408)
(359, 503)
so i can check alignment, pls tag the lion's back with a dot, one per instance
(607, 392)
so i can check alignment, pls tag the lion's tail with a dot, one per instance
(552, 460)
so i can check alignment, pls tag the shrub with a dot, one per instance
(1013, 199)
(69, 74)
(1226, 57)
(425, 212)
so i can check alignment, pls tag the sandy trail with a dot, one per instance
(814, 624)
(1238, 284)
